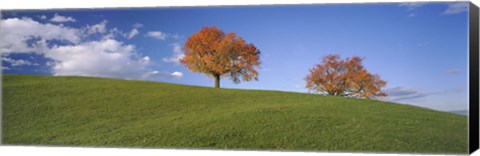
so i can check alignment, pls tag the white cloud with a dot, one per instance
(114, 32)
(412, 5)
(157, 74)
(146, 59)
(59, 18)
(454, 8)
(43, 17)
(177, 74)
(133, 33)
(97, 28)
(106, 57)
(15, 63)
(177, 54)
(26, 35)
(157, 35)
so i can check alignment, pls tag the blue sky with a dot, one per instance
(420, 49)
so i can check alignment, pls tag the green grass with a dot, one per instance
(81, 111)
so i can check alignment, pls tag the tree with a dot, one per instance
(348, 77)
(216, 54)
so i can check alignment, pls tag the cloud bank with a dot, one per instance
(399, 93)
(74, 51)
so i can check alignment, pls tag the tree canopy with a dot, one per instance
(216, 54)
(348, 77)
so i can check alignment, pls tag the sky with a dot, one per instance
(420, 49)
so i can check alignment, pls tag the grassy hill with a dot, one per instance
(80, 111)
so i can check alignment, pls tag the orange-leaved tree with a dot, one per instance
(348, 77)
(216, 54)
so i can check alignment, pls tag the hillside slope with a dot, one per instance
(80, 111)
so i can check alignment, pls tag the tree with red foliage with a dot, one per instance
(216, 54)
(348, 77)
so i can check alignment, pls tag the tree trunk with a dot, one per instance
(217, 81)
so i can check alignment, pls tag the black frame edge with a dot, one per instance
(473, 78)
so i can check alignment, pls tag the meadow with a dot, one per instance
(100, 112)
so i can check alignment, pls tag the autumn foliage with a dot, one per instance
(348, 77)
(217, 54)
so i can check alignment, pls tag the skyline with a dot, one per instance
(423, 44)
